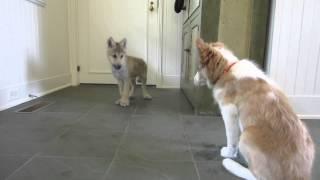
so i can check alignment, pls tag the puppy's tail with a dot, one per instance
(237, 169)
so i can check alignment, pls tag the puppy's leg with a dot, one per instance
(145, 93)
(120, 87)
(124, 101)
(230, 118)
(132, 86)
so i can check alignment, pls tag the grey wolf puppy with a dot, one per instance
(126, 70)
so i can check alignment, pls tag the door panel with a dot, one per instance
(100, 19)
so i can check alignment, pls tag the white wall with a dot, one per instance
(33, 49)
(294, 60)
(171, 45)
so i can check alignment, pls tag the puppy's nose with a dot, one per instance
(117, 66)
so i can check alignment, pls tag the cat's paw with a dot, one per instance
(117, 101)
(229, 152)
(124, 102)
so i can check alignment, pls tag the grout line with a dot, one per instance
(190, 150)
(118, 148)
(76, 122)
(22, 166)
(68, 128)
(70, 157)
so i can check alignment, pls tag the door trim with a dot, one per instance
(73, 40)
(154, 41)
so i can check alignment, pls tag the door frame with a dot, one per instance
(154, 40)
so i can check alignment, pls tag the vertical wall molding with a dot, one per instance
(73, 40)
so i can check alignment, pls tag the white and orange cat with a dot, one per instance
(258, 119)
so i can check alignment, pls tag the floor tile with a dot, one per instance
(214, 170)
(136, 169)
(85, 142)
(113, 122)
(164, 102)
(154, 148)
(314, 129)
(316, 164)
(38, 120)
(160, 125)
(159, 138)
(79, 135)
(113, 109)
(312, 123)
(26, 141)
(41, 168)
(206, 136)
(67, 105)
(8, 164)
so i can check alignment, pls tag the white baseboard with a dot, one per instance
(301, 116)
(172, 81)
(36, 88)
(307, 107)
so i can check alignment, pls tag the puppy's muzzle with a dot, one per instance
(117, 66)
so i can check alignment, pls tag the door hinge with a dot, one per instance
(78, 68)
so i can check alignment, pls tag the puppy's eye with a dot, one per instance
(121, 56)
(115, 56)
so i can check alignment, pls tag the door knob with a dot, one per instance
(151, 7)
(187, 50)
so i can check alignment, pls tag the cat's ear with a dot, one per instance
(111, 43)
(201, 44)
(123, 43)
(206, 53)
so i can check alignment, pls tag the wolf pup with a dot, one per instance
(258, 118)
(126, 70)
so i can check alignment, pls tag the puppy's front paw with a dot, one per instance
(124, 102)
(147, 96)
(229, 152)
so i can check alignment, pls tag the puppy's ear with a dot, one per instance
(123, 43)
(111, 43)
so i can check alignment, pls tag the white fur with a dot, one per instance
(271, 96)
(230, 117)
(216, 94)
(248, 68)
(237, 169)
(228, 55)
(122, 73)
(240, 126)
(229, 152)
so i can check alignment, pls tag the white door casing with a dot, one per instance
(93, 21)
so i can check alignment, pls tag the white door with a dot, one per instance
(131, 19)
(294, 53)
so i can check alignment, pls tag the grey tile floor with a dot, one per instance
(82, 135)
